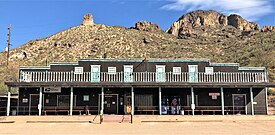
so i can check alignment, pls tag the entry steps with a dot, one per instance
(116, 118)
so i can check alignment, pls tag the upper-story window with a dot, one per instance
(111, 70)
(78, 70)
(176, 70)
(209, 70)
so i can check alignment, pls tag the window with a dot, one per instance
(176, 70)
(85, 97)
(78, 70)
(111, 70)
(64, 100)
(209, 70)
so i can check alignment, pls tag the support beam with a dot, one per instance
(9, 101)
(71, 101)
(266, 100)
(251, 101)
(40, 101)
(132, 101)
(192, 101)
(222, 100)
(102, 101)
(159, 100)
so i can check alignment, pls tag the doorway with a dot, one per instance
(239, 103)
(110, 103)
(33, 104)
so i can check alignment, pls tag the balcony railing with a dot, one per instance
(201, 77)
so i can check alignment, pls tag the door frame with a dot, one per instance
(30, 101)
(99, 100)
(164, 73)
(132, 77)
(245, 107)
(92, 80)
(195, 73)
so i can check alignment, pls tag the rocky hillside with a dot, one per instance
(196, 35)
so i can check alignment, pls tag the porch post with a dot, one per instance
(266, 100)
(192, 101)
(9, 100)
(222, 100)
(159, 100)
(102, 101)
(40, 101)
(133, 101)
(251, 101)
(71, 101)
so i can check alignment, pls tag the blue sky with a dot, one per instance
(33, 19)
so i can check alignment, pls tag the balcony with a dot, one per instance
(167, 77)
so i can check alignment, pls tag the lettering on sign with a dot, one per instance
(52, 90)
(214, 95)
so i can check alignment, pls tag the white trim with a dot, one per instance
(176, 69)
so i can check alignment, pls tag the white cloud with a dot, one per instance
(251, 10)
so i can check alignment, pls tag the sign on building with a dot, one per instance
(52, 90)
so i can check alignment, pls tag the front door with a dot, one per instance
(95, 73)
(110, 103)
(33, 104)
(128, 73)
(160, 73)
(193, 73)
(239, 103)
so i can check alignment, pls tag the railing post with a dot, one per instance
(46, 76)
(72, 76)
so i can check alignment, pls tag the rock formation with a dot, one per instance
(146, 26)
(268, 29)
(88, 20)
(200, 21)
(241, 24)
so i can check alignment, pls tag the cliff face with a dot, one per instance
(199, 35)
(200, 22)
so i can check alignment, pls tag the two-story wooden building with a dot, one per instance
(159, 87)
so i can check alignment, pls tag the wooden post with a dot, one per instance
(133, 101)
(192, 101)
(102, 104)
(40, 101)
(222, 100)
(71, 101)
(9, 100)
(159, 100)
(251, 101)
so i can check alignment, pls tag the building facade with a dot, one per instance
(153, 87)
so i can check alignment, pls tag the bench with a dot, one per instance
(56, 109)
(146, 109)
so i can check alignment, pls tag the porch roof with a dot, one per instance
(139, 84)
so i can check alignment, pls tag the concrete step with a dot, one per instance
(116, 118)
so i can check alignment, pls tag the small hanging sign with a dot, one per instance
(214, 95)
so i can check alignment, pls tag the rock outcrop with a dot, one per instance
(200, 22)
(146, 26)
(88, 20)
(241, 24)
(268, 29)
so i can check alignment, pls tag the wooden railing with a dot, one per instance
(201, 77)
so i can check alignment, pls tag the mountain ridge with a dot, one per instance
(219, 43)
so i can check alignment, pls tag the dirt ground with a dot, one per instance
(142, 125)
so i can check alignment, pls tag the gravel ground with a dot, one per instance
(200, 125)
